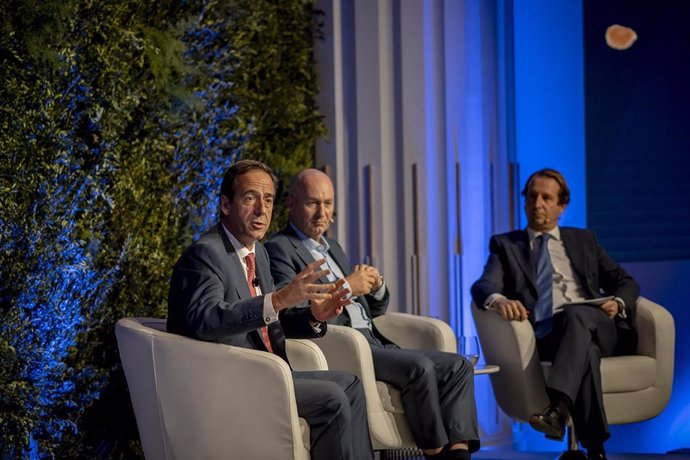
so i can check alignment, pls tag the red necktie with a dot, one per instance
(251, 278)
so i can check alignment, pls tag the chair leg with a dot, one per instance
(410, 453)
(573, 452)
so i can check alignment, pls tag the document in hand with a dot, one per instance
(597, 301)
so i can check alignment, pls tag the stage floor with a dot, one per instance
(506, 454)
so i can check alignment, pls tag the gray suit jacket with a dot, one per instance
(511, 270)
(289, 257)
(209, 298)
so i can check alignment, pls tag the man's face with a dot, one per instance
(248, 214)
(311, 206)
(541, 204)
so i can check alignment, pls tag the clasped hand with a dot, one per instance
(363, 279)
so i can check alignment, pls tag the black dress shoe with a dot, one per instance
(550, 421)
(596, 453)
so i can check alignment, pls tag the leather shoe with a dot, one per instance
(596, 454)
(550, 421)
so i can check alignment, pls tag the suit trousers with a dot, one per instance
(437, 390)
(581, 336)
(332, 403)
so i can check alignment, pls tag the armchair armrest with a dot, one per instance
(656, 338)
(417, 332)
(186, 394)
(346, 349)
(519, 386)
(305, 355)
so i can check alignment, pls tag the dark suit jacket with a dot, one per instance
(209, 298)
(289, 257)
(511, 271)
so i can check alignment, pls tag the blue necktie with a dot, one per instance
(543, 309)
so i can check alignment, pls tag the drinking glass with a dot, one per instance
(469, 348)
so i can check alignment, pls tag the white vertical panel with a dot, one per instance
(415, 84)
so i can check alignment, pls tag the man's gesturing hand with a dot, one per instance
(323, 310)
(510, 309)
(303, 288)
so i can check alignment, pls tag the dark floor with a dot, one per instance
(506, 454)
(513, 455)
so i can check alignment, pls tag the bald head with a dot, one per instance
(311, 203)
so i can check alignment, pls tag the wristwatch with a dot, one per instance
(377, 286)
(621, 308)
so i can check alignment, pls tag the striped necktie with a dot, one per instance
(543, 309)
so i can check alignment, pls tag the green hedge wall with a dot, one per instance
(117, 120)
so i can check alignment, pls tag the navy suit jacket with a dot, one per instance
(289, 256)
(511, 271)
(209, 298)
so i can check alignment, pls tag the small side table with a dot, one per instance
(486, 369)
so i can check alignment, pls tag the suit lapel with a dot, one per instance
(339, 256)
(234, 266)
(305, 256)
(577, 257)
(263, 272)
(237, 273)
(523, 255)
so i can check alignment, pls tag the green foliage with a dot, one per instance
(117, 120)
(268, 75)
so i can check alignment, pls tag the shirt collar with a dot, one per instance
(311, 244)
(241, 250)
(554, 232)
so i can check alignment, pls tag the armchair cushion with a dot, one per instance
(620, 374)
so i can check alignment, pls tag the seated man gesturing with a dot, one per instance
(221, 291)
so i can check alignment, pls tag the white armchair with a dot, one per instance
(347, 349)
(195, 399)
(635, 388)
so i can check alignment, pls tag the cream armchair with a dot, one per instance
(195, 399)
(635, 388)
(346, 349)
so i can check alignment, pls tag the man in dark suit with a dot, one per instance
(550, 275)
(437, 388)
(221, 290)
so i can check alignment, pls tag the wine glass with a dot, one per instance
(469, 348)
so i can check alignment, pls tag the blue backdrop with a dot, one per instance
(551, 114)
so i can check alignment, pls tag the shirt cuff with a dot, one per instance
(315, 324)
(270, 315)
(348, 287)
(380, 292)
(489, 304)
(316, 327)
(622, 311)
